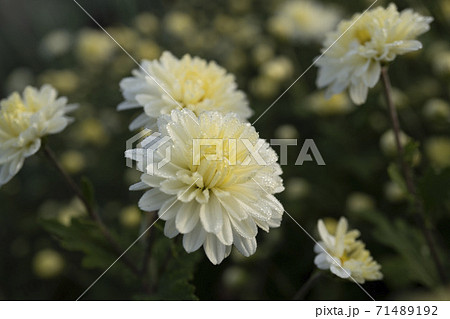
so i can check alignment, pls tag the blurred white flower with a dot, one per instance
(297, 188)
(359, 202)
(343, 255)
(179, 24)
(23, 121)
(65, 81)
(438, 151)
(48, 263)
(94, 47)
(191, 82)
(146, 23)
(437, 109)
(335, 105)
(388, 144)
(303, 20)
(279, 68)
(214, 200)
(286, 131)
(56, 43)
(376, 37)
(394, 193)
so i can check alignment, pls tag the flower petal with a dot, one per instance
(211, 215)
(214, 249)
(169, 228)
(195, 239)
(246, 227)
(246, 247)
(153, 200)
(226, 233)
(187, 217)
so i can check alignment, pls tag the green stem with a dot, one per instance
(301, 293)
(408, 175)
(90, 210)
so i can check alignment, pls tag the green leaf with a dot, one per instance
(411, 151)
(171, 270)
(410, 245)
(82, 236)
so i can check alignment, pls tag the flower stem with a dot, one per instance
(301, 293)
(408, 175)
(92, 212)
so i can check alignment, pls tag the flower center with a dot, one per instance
(196, 87)
(14, 116)
(363, 35)
(344, 258)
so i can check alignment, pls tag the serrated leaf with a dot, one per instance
(82, 236)
(171, 270)
(409, 243)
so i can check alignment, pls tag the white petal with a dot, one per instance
(153, 200)
(226, 233)
(169, 209)
(195, 239)
(232, 206)
(319, 247)
(141, 121)
(321, 261)
(125, 105)
(339, 271)
(151, 180)
(187, 217)
(246, 247)
(358, 92)
(169, 228)
(211, 215)
(214, 249)
(33, 148)
(139, 186)
(372, 75)
(246, 227)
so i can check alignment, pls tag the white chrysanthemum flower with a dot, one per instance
(214, 199)
(189, 82)
(378, 36)
(303, 20)
(345, 256)
(23, 121)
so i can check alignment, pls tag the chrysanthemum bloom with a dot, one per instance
(217, 188)
(190, 83)
(376, 37)
(345, 256)
(23, 121)
(303, 20)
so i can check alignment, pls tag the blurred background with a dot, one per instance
(47, 252)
